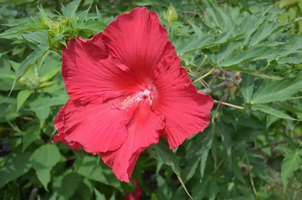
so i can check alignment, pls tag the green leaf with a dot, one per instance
(47, 155)
(264, 31)
(237, 172)
(31, 134)
(48, 102)
(71, 8)
(42, 114)
(271, 91)
(205, 148)
(22, 96)
(252, 54)
(4, 2)
(98, 195)
(195, 45)
(93, 25)
(225, 51)
(83, 15)
(247, 86)
(167, 156)
(50, 74)
(271, 111)
(37, 37)
(291, 60)
(86, 167)
(14, 166)
(43, 175)
(70, 179)
(86, 191)
(291, 163)
(28, 62)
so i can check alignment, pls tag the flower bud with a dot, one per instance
(171, 15)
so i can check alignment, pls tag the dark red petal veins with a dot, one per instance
(187, 111)
(138, 40)
(142, 132)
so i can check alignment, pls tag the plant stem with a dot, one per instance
(205, 75)
(251, 178)
(228, 104)
(205, 57)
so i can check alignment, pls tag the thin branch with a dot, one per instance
(251, 178)
(232, 80)
(228, 104)
(198, 68)
(205, 75)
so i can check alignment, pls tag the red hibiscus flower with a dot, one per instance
(126, 88)
(137, 193)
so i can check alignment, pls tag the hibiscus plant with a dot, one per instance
(160, 100)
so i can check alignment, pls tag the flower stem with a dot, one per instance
(228, 104)
(205, 75)
(205, 57)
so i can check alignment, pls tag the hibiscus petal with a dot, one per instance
(187, 111)
(143, 131)
(96, 127)
(138, 40)
(60, 137)
(91, 75)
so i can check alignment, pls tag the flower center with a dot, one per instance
(133, 100)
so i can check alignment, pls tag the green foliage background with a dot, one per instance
(246, 54)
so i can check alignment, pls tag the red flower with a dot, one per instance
(137, 193)
(126, 88)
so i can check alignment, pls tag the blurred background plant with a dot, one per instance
(246, 54)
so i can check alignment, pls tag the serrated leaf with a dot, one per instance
(22, 96)
(264, 31)
(93, 25)
(167, 156)
(247, 86)
(37, 37)
(252, 54)
(291, 163)
(291, 60)
(271, 111)
(83, 15)
(225, 51)
(205, 148)
(194, 45)
(271, 91)
(71, 8)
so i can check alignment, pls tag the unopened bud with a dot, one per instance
(171, 15)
